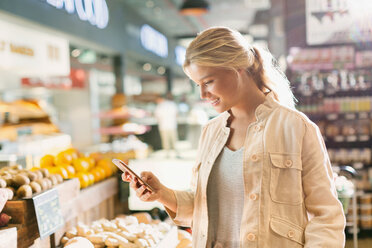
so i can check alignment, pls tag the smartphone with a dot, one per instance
(125, 168)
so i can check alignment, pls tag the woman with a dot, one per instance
(262, 176)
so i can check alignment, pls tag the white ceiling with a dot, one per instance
(163, 15)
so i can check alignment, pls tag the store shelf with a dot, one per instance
(350, 141)
(86, 205)
(125, 129)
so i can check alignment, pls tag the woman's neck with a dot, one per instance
(246, 110)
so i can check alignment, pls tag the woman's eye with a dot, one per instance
(208, 82)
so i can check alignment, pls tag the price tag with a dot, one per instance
(363, 115)
(339, 138)
(364, 137)
(48, 212)
(332, 116)
(351, 138)
(350, 116)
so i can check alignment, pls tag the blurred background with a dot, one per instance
(82, 82)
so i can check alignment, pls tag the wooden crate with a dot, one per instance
(92, 203)
(87, 205)
(24, 217)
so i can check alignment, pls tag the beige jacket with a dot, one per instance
(298, 204)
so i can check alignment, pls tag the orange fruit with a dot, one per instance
(91, 178)
(46, 161)
(106, 165)
(62, 158)
(61, 171)
(83, 179)
(96, 174)
(91, 162)
(73, 152)
(96, 156)
(70, 171)
(102, 172)
(81, 165)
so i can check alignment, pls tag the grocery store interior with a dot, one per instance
(86, 82)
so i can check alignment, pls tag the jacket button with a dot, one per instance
(290, 234)
(254, 158)
(257, 128)
(251, 237)
(288, 163)
(253, 197)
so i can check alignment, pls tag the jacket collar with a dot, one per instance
(261, 112)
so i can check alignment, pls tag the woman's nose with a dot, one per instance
(203, 92)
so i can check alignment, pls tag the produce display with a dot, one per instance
(123, 232)
(70, 164)
(22, 183)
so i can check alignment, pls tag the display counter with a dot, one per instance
(87, 205)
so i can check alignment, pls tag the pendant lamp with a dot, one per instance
(194, 7)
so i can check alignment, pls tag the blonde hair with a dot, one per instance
(227, 48)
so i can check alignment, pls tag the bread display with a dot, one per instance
(123, 232)
(22, 183)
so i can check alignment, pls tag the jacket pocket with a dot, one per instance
(285, 178)
(287, 233)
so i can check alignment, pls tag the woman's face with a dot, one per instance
(218, 86)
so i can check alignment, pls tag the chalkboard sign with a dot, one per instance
(48, 212)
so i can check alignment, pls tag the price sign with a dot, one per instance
(48, 212)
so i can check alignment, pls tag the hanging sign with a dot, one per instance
(154, 41)
(338, 21)
(28, 53)
(95, 12)
(180, 52)
(48, 212)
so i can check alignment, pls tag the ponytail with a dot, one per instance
(268, 76)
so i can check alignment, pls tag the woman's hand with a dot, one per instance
(141, 191)
(161, 193)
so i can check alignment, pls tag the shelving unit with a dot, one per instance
(337, 96)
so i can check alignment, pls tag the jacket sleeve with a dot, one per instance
(185, 199)
(326, 218)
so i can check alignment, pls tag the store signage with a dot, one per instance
(48, 212)
(94, 11)
(27, 52)
(338, 21)
(154, 41)
(180, 52)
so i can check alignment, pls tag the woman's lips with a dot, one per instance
(215, 102)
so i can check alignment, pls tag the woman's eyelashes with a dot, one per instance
(204, 84)
(208, 82)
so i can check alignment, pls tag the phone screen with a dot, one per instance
(124, 168)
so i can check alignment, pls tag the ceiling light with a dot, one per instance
(75, 53)
(194, 7)
(161, 70)
(147, 67)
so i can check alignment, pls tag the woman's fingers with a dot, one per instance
(146, 196)
(126, 177)
(140, 191)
